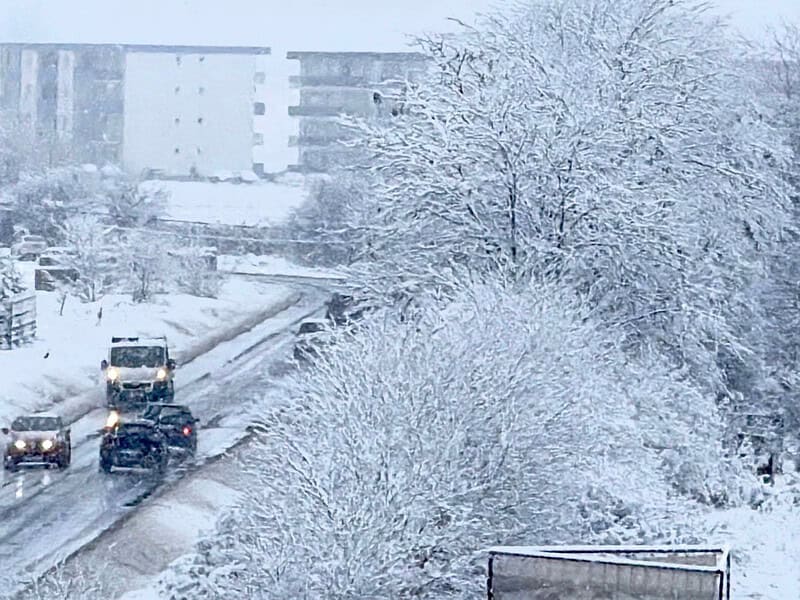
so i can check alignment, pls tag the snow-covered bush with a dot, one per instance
(606, 144)
(67, 583)
(506, 417)
(193, 274)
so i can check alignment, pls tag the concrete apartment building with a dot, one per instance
(335, 83)
(184, 111)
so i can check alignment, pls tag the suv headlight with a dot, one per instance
(47, 444)
(20, 444)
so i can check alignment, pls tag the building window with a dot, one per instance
(199, 120)
(260, 108)
(258, 169)
(258, 139)
(177, 89)
(177, 150)
(177, 120)
(201, 90)
(199, 150)
(178, 60)
(201, 59)
(260, 78)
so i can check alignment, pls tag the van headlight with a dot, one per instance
(47, 444)
(161, 374)
(112, 374)
(20, 444)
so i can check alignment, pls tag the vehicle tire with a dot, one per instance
(10, 465)
(170, 395)
(64, 459)
(105, 465)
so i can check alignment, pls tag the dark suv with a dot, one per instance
(176, 422)
(38, 439)
(134, 444)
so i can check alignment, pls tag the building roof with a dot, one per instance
(151, 48)
(293, 54)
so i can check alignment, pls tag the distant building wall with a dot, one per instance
(189, 112)
(331, 84)
(98, 103)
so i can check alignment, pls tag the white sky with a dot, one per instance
(282, 24)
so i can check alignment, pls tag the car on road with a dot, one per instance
(137, 444)
(311, 336)
(138, 370)
(29, 247)
(176, 422)
(37, 439)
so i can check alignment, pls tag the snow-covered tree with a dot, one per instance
(10, 279)
(92, 255)
(602, 143)
(502, 417)
(43, 200)
(323, 227)
(128, 203)
(149, 268)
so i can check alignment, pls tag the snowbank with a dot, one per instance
(64, 361)
(263, 203)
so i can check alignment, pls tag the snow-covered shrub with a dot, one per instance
(67, 583)
(507, 417)
(193, 274)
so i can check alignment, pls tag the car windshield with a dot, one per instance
(36, 424)
(311, 327)
(163, 412)
(134, 440)
(137, 356)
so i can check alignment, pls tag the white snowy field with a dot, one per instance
(64, 361)
(263, 203)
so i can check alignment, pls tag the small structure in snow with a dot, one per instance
(608, 572)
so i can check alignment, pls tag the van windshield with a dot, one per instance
(135, 357)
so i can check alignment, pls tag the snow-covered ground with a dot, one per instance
(765, 544)
(62, 366)
(263, 203)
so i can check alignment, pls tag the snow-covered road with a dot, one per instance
(46, 515)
